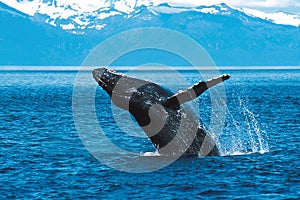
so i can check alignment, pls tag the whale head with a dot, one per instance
(141, 98)
(106, 78)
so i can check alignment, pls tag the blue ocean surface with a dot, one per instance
(43, 155)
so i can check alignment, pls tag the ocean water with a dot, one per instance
(43, 155)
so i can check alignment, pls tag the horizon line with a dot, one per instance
(141, 68)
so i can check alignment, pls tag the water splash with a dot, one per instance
(242, 133)
(151, 153)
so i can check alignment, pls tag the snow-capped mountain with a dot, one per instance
(63, 32)
(277, 18)
(78, 16)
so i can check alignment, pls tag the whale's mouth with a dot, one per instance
(107, 79)
(118, 86)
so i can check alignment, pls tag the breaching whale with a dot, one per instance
(173, 129)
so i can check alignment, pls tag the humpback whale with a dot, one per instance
(172, 128)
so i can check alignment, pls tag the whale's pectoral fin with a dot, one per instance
(194, 91)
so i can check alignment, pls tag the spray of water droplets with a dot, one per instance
(242, 133)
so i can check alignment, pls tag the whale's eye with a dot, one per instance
(139, 94)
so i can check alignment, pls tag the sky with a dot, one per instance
(292, 6)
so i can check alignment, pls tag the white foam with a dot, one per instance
(151, 154)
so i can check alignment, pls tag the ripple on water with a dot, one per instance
(42, 156)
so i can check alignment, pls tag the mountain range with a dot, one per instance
(51, 34)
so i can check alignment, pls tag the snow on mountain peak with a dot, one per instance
(27, 7)
(78, 15)
(276, 18)
(32, 7)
